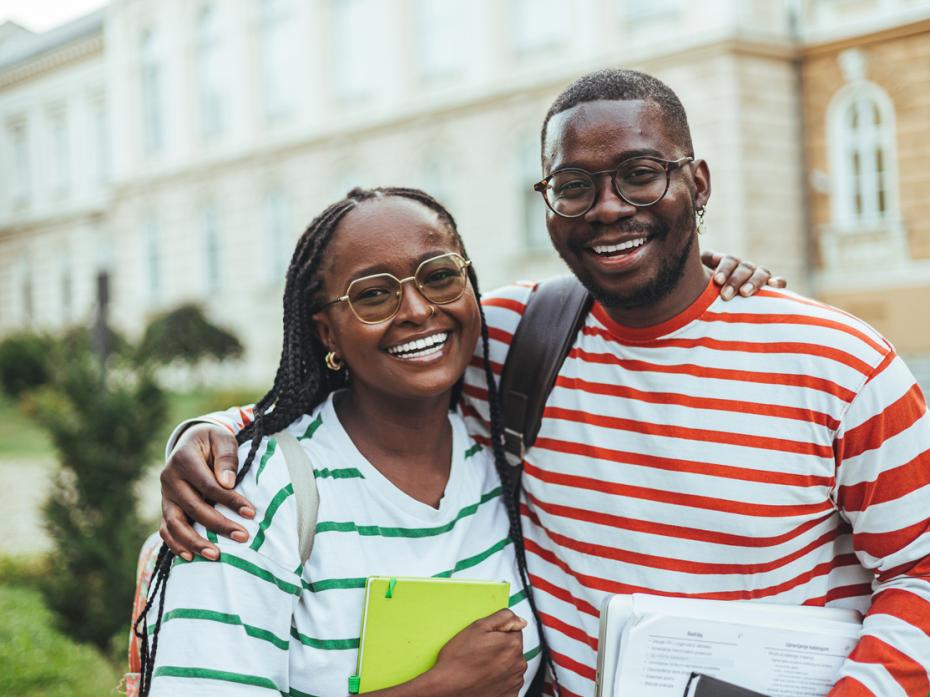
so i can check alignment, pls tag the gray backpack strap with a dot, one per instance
(305, 492)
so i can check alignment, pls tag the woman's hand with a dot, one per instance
(202, 466)
(483, 660)
(738, 276)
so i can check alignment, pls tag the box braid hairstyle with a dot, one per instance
(301, 383)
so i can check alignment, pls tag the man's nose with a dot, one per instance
(608, 206)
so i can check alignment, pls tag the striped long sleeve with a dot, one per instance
(883, 489)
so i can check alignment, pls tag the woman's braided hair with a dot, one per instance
(301, 383)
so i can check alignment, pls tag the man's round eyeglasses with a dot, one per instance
(377, 298)
(640, 181)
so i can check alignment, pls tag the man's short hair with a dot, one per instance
(624, 85)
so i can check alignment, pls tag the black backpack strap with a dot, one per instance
(554, 313)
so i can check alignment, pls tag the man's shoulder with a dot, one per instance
(508, 303)
(777, 314)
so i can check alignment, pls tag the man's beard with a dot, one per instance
(666, 279)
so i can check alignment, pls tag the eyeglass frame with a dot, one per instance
(668, 165)
(465, 263)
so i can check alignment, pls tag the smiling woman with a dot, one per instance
(380, 291)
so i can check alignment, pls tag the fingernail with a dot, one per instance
(239, 536)
(247, 512)
(209, 553)
(719, 279)
(227, 479)
(746, 289)
(726, 293)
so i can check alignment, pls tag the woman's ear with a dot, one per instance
(323, 328)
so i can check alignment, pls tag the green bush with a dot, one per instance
(37, 661)
(25, 362)
(103, 427)
(185, 335)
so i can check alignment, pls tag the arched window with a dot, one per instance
(863, 162)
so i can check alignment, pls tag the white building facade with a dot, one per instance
(183, 146)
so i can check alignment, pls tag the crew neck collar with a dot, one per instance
(673, 324)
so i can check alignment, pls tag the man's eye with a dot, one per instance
(641, 174)
(572, 187)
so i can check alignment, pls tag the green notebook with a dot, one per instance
(406, 621)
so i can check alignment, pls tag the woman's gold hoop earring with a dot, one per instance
(333, 362)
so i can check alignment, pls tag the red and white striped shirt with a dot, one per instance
(764, 448)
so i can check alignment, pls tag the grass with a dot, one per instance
(20, 437)
(36, 660)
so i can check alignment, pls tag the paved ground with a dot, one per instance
(24, 485)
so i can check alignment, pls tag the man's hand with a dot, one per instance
(738, 276)
(201, 469)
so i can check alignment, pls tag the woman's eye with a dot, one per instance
(371, 295)
(440, 276)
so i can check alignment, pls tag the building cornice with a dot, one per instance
(53, 59)
(90, 213)
(921, 26)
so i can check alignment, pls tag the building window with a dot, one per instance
(61, 155)
(642, 10)
(439, 37)
(354, 64)
(152, 255)
(537, 24)
(277, 58)
(209, 59)
(27, 307)
(212, 250)
(861, 137)
(532, 206)
(20, 172)
(98, 110)
(152, 127)
(276, 214)
(67, 288)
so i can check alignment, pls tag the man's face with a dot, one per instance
(626, 256)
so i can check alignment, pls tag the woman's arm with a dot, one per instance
(483, 660)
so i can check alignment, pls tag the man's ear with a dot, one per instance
(701, 178)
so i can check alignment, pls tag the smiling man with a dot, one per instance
(771, 448)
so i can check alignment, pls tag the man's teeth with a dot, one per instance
(611, 248)
(417, 348)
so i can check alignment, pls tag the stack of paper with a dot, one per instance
(649, 645)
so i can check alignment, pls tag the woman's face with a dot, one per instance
(394, 235)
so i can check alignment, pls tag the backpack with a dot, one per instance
(307, 498)
(554, 314)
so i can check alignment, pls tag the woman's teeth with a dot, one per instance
(623, 246)
(419, 348)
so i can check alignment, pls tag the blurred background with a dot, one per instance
(159, 159)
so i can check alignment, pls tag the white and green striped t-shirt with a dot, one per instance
(256, 623)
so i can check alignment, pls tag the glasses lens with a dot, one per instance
(442, 279)
(570, 192)
(641, 181)
(374, 298)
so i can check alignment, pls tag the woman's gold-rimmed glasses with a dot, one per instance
(377, 298)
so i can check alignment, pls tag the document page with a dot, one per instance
(659, 652)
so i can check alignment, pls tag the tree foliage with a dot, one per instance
(185, 335)
(103, 424)
(24, 362)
